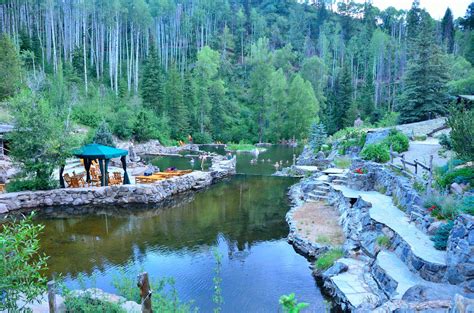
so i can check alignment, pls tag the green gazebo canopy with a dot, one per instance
(103, 154)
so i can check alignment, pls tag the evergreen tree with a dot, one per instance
(103, 135)
(366, 101)
(10, 66)
(152, 83)
(424, 93)
(447, 31)
(467, 22)
(343, 98)
(175, 105)
(413, 25)
(317, 136)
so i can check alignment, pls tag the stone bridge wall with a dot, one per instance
(120, 195)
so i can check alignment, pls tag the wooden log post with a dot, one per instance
(403, 162)
(391, 154)
(52, 296)
(145, 292)
(416, 167)
(430, 176)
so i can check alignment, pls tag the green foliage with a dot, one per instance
(40, 141)
(317, 137)
(87, 304)
(445, 142)
(425, 80)
(419, 186)
(10, 65)
(240, 147)
(289, 304)
(165, 296)
(327, 259)
(21, 264)
(23, 184)
(397, 140)
(202, 138)
(420, 138)
(376, 152)
(151, 84)
(342, 162)
(103, 135)
(461, 176)
(462, 132)
(444, 207)
(441, 237)
(217, 280)
(383, 241)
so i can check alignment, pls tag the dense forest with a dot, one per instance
(227, 70)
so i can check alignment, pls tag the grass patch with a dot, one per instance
(383, 241)
(326, 260)
(419, 138)
(240, 147)
(86, 304)
(342, 162)
(323, 239)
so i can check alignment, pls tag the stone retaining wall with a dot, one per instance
(120, 195)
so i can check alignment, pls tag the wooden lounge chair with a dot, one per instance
(115, 179)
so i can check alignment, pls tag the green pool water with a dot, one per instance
(242, 217)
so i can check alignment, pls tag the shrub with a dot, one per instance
(86, 304)
(444, 206)
(240, 147)
(290, 304)
(462, 132)
(389, 119)
(445, 142)
(342, 162)
(326, 260)
(383, 241)
(440, 239)
(398, 141)
(467, 205)
(420, 138)
(17, 185)
(376, 152)
(21, 264)
(461, 176)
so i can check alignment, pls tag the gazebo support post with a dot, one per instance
(61, 178)
(126, 179)
(87, 167)
(106, 167)
(102, 172)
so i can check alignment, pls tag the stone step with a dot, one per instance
(354, 286)
(341, 176)
(323, 187)
(339, 182)
(323, 178)
(335, 171)
(318, 193)
(413, 246)
(393, 276)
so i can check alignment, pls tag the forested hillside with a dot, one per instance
(229, 70)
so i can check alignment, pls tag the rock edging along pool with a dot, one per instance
(125, 194)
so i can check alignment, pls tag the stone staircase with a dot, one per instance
(322, 188)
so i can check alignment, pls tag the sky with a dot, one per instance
(436, 8)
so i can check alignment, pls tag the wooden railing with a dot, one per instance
(417, 165)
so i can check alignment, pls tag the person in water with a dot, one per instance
(149, 170)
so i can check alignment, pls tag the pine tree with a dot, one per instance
(366, 101)
(424, 93)
(103, 135)
(413, 25)
(317, 136)
(10, 65)
(343, 98)
(175, 107)
(447, 31)
(152, 83)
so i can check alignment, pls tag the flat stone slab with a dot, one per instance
(307, 168)
(398, 271)
(323, 178)
(335, 171)
(384, 211)
(351, 283)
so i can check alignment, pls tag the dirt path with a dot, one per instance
(421, 151)
(318, 222)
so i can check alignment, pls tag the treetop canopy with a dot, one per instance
(96, 151)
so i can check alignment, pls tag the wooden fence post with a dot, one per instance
(145, 292)
(416, 167)
(391, 154)
(403, 162)
(52, 296)
(430, 177)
